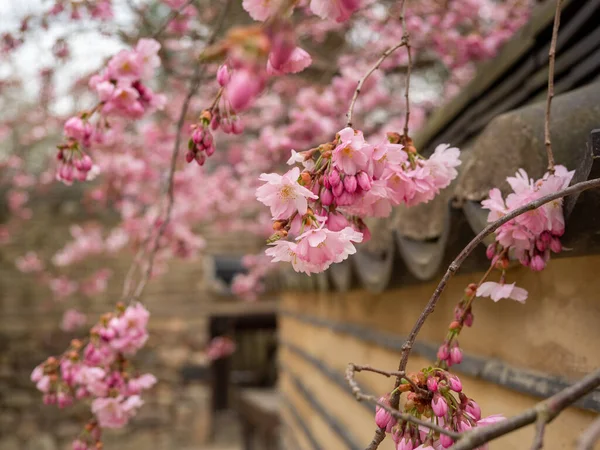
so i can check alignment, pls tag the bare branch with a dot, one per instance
(400, 375)
(406, 39)
(361, 82)
(199, 71)
(377, 439)
(172, 15)
(540, 428)
(551, 59)
(544, 412)
(360, 396)
(590, 436)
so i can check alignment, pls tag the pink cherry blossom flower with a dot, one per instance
(338, 10)
(92, 379)
(297, 62)
(321, 247)
(72, 320)
(442, 165)
(29, 263)
(125, 65)
(497, 291)
(352, 153)
(439, 405)
(283, 194)
(115, 412)
(220, 347)
(141, 383)
(260, 9)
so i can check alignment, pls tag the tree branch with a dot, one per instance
(199, 71)
(406, 39)
(361, 82)
(590, 436)
(544, 412)
(455, 265)
(551, 60)
(360, 396)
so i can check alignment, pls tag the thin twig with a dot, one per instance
(359, 395)
(400, 375)
(544, 411)
(361, 82)
(194, 84)
(455, 265)
(551, 59)
(540, 428)
(172, 15)
(406, 39)
(590, 436)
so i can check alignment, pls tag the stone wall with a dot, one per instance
(515, 354)
(176, 414)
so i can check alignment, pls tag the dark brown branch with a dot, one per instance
(551, 59)
(590, 436)
(360, 396)
(194, 84)
(544, 412)
(377, 439)
(455, 265)
(400, 375)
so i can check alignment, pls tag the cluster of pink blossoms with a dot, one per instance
(343, 182)
(533, 235)
(99, 370)
(97, 9)
(434, 395)
(220, 347)
(338, 10)
(252, 55)
(122, 92)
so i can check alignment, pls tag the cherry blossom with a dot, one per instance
(497, 291)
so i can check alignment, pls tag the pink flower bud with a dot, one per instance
(490, 251)
(455, 356)
(439, 405)
(85, 163)
(453, 381)
(200, 158)
(189, 157)
(244, 86)
(537, 263)
(473, 410)
(446, 441)
(223, 75)
(49, 399)
(350, 183)
(198, 136)
(237, 126)
(282, 46)
(210, 150)
(432, 384)
(555, 245)
(338, 189)
(384, 419)
(525, 259)
(406, 443)
(469, 319)
(364, 181)
(207, 139)
(215, 122)
(443, 353)
(334, 177)
(540, 245)
(326, 197)
(346, 199)
(64, 400)
(546, 237)
(79, 445)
